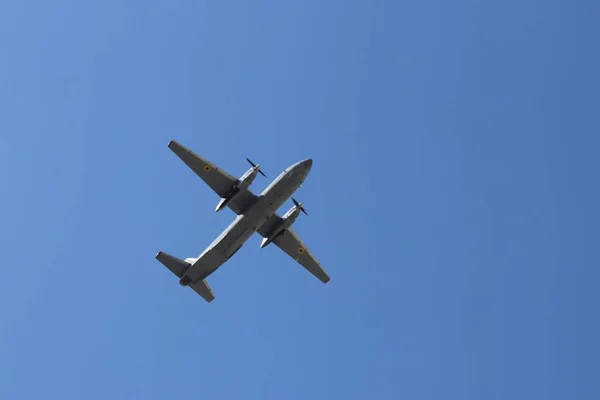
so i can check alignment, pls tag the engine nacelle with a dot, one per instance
(232, 193)
(242, 184)
(288, 219)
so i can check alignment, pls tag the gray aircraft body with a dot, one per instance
(255, 213)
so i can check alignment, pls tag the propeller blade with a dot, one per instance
(299, 206)
(254, 166)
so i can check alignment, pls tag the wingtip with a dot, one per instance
(158, 254)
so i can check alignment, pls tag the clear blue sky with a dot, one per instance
(453, 199)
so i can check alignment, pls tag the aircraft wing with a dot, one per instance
(219, 180)
(291, 244)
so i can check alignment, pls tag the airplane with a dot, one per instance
(255, 213)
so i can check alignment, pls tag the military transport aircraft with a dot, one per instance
(255, 213)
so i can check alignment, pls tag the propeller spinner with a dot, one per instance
(256, 166)
(299, 205)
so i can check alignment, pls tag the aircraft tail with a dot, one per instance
(174, 264)
(201, 287)
(179, 267)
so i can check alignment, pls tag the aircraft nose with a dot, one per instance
(307, 163)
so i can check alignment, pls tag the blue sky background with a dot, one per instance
(453, 198)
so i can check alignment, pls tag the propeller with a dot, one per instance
(299, 205)
(256, 166)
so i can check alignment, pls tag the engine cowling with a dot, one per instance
(232, 193)
(287, 220)
(242, 184)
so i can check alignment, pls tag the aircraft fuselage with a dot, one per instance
(244, 226)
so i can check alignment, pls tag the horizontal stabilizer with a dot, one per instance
(202, 288)
(175, 265)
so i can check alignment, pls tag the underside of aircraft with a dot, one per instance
(254, 214)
